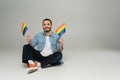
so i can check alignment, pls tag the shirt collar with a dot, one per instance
(51, 35)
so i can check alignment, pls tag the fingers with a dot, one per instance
(29, 39)
(61, 40)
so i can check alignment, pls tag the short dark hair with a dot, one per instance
(47, 19)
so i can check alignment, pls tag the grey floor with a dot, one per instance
(78, 65)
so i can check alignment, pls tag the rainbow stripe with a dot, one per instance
(61, 30)
(24, 28)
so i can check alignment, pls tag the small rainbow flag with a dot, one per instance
(61, 30)
(24, 28)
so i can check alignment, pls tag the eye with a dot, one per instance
(48, 24)
(44, 24)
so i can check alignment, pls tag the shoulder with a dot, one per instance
(39, 34)
(55, 35)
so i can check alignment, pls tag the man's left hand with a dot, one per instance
(61, 40)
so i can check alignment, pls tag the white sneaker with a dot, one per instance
(32, 69)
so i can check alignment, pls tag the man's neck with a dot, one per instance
(47, 33)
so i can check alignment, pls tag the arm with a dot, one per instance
(32, 42)
(29, 40)
(60, 47)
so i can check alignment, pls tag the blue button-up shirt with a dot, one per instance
(39, 41)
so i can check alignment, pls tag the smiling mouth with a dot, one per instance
(47, 28)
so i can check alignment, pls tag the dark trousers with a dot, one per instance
(29, 53)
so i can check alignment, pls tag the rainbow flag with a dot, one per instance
(61, 30)
(24, 28)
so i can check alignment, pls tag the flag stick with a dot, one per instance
(27, 33)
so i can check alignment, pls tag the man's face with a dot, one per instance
(47, 26)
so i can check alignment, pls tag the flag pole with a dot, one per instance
(27, 34)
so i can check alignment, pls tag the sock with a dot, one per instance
(39, 64)
(30, 62)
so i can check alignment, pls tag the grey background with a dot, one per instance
(90, 24)
(92, 41)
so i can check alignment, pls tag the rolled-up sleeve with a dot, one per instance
(34, 41)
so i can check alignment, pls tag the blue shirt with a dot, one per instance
(39, 41)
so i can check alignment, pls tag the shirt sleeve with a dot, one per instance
(34, 41)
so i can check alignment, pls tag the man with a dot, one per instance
(49, 48)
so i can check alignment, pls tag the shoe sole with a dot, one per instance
(31, 70)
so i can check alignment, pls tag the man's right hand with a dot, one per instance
(29, 39)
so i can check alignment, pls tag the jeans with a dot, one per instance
(29, 53)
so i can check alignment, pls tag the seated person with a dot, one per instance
(49, 48)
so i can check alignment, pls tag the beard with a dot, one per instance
(47, 29)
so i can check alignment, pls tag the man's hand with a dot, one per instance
(61, 40)
(29, 39)
(60, 48)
